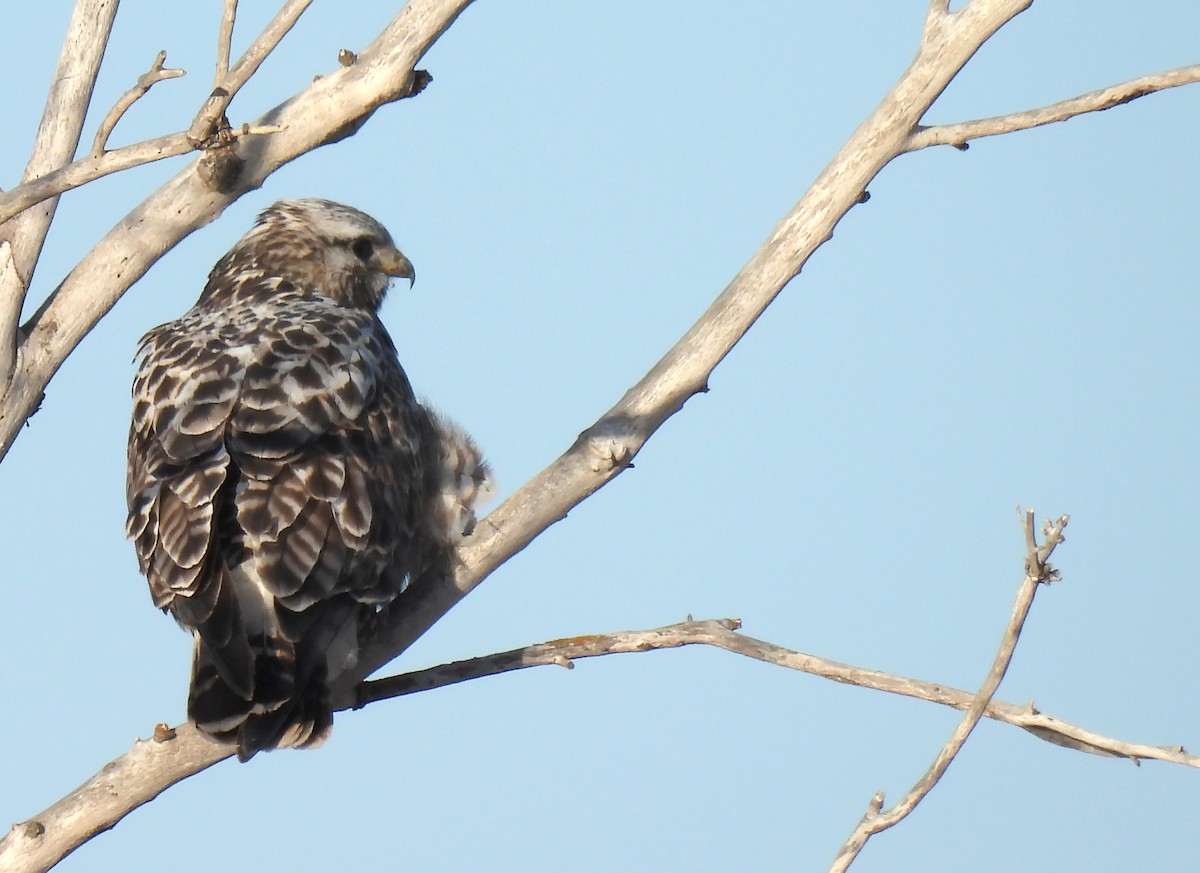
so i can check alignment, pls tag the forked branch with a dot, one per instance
(145, 82)
(1037, 572)
(960, 133)
(227, 86)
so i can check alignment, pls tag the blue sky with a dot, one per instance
(1013, 324)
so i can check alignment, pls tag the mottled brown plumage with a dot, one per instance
(284, 483)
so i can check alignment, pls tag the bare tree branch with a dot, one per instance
(226, 88)
(721, 633)
(224, 41)
(608, 446)
(336, 106)
(90, 168)
(959, 134)
(10, 308)
(331, 108)
(121, 786)
(57, 138)
(152, 766)
(938, 11)
(562, 653)
(144, 83)
(1037, 572)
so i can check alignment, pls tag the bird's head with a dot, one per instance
(327, 247)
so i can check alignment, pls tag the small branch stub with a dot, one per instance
(609, 445)
(220, 167)
(420, 81)
(1037, 565)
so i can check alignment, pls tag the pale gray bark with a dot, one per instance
(331, 108)
(336, 105)
(56, 140)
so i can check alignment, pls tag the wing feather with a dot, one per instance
(274, 479)
(284, 484)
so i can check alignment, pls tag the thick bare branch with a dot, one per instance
(959, 134)
(938, 11)
(10, 315)
(1037, 572)
(607, 447)
(145, 82)
(57, 138)
(137, 777)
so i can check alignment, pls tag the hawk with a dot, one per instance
(285, 484)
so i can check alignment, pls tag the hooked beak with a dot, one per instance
(393, 262)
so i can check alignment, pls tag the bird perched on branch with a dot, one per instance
(284, 483)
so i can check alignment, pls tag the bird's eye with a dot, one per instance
(363, 248)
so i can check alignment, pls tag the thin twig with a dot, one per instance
(145, 82)
(721, 633)
(224, 41)
(562, 653)
(1037, 572)
(88, 169)
(960, 133)
(210, 114)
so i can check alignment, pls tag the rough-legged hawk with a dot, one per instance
(284, 483)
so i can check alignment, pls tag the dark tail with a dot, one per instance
(269, 690)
